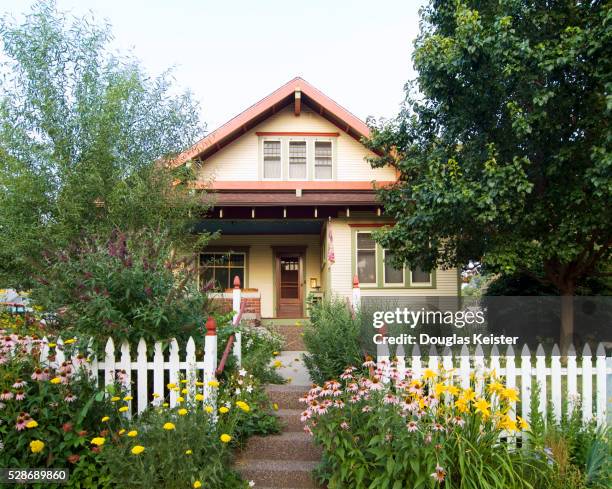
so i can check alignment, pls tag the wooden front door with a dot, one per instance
(289, 285)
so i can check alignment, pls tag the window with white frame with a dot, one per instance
(366, 258)
(323, 160)
(392, 275)
(218, 269)
(297, 159)
(271, 159)
(418, 276)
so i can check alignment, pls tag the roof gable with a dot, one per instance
(296, 91)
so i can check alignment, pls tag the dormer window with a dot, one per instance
(272, 159)
(297, 160)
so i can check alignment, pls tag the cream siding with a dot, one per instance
(260, 264)
(341, 271)
(240, 159)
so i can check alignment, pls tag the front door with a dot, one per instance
(289, 288)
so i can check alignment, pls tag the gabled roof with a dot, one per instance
(298, 88)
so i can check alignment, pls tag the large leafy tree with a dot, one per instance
(503, 145)
(82, 132)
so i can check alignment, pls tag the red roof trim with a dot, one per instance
(321, 134)
(215, 139)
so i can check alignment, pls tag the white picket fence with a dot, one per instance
(558, 384)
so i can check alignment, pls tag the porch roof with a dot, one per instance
(260, 226)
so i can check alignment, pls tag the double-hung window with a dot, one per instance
(218, 268)
(297, 160)
(323, 160)
(366, 258)
(418, 276)
(392, 275)
(272, 159)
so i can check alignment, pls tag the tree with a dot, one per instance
(81, 131)
(503, 144)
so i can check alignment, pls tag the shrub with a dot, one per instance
(49, 415)
(418, 433)
(332, 340)
(127, 286)
(259, 346)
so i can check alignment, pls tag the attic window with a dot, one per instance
(272, 159)
(297, 159)
(323, 160)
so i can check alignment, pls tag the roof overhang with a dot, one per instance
(297, 92)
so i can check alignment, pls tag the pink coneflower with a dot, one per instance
(21, 424)
(306, 415)
(376, 384)
(20, 396)
(19, 384)
(3, 359)
(427, 439)
(458, 420)
(390, 399)
(345, 426)
(38, 374)
(70, 397)
(440, 474)
(8, 342)
(308, 430)
(339, 403)
(354, 399)
(336, 392)
(369, 363)
(438, 427)
(65, 378)
(352, 387)
(366, 409)
(6, 395)
(412, 426)
(65, 368)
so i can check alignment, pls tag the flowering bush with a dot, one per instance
(259, 346)
(187, 445)
(126, 286)
(49, 414)
(383, 431)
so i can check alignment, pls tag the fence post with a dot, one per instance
(236, 299)
(356, 301)
(210, 360)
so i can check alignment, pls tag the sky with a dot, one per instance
(230, 54)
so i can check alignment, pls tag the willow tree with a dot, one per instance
(503, 145)
(81, 133)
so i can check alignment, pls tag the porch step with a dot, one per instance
(290, 419)
(278, 474)
(289, 446)
(286, 396)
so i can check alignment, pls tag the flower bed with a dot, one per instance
(419, 432)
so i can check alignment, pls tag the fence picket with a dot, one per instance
(417, 369)
(525, 383)
(400, 354)
(494, 362)
(174, 371)
(464, 367)
(142, 371)
(572, 380)
(479, 367)
(190, 360)
(541, 379)
(60, 356)
(432, 364)
(109, 362)
(587, 384)
(158, 372)
(555, 382)
(511, 377)
(600, 367)
(44, 351)
(125, 365)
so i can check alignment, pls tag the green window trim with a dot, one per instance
(380, 268)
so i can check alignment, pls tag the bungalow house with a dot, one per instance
(295, 204)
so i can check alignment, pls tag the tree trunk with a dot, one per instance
(567, 319)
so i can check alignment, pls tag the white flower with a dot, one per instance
(251, 483)
(242, 372)
(238, 391)
(249, 389)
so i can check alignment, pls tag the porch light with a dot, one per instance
(313, 283)
(220, 213)
(348, 212)
(284, 212)
(253, 213)
(316, 212)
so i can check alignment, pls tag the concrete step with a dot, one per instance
(292, 335)
(278, 474)
(286, 396)
(289, 446)
(293, 369)
(290, 418)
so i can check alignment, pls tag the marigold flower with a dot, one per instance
(123, 409)
(213, 383)
(137, 449)
(156, 395)
(105, 419)
(223, 410)
(180, 399)
(98, 441)
(182, 412)
(199, 397)
(169, 426)
(208, 409)
(128, 398)
(56, 380)
(115, 399)
(188, 452)
(225, 438)
(184, 391)
(69, 341)
(31, 424)
(132, 433)
(199, 383)
(243, 405)
(36, 446)
(277, 364)
(121, 431)
(275, 406)
(171, 386)
(197, 484)
(183, 381)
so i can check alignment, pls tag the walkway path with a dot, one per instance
(286, 460)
